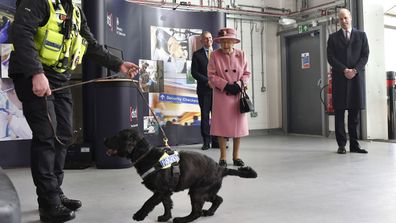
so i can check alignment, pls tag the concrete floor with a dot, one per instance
(301, 180)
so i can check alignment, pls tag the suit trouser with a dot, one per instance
(47, 155)
(205, 103)
(353, 116)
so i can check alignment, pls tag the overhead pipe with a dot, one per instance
(253, 18)
(265, 8)
(235, 10)
(277, 9)
(193, 7)
(329, 4)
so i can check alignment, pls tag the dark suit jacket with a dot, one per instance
(352, 54)
(199, 70)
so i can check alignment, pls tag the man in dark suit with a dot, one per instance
(199, 71)
(347, 53)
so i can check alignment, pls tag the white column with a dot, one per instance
(376, 109)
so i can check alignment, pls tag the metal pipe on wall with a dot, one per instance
(251, 59)
(263, 60)
(253, 113)
(241, 34)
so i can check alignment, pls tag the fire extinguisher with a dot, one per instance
(330, 108)
(329, 103)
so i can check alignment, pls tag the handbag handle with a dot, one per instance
(243, 87)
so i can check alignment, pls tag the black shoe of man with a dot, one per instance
(341, 150)
(357, 150)
(205, 146)
(58, 213)
(70, 203)
(215, 145)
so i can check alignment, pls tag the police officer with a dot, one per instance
(50, 38)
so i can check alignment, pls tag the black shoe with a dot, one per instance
(70, 203)
(341, 150)
(59, 213)
(357, 150)
(239, 162)
(223, 163)
(205, 146)
(215, 145)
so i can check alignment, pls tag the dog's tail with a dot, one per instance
(244, 172)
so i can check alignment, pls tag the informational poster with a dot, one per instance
(305, 61)
(178, 104)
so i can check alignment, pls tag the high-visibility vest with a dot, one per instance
(59, 42)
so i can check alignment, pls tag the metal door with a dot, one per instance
(303, 73)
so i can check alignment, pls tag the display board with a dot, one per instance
(13, 125)
(164, 39)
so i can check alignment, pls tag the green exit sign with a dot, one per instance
(303, 28)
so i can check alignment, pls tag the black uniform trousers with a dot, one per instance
(205, 104)
(47, 155)
(353, 116)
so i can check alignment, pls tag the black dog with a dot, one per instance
(165, 172)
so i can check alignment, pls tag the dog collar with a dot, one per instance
(164, 162)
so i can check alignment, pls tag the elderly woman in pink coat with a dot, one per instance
(228, 73)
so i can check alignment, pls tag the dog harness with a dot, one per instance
(170, 159)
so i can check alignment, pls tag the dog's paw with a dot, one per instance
(164, 218)
(139, 216)
(178, 220)
(207, 213)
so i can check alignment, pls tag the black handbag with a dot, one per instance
(245, 104)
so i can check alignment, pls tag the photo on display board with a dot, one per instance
(150, 126)
(151, 76)
(5, 52)
(13, 124)
(178, 104)
(7, 16)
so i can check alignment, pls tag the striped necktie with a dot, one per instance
(347, 35)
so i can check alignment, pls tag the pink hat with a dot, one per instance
(226, 33)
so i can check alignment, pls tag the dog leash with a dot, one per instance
(70, 86)
(164, 139)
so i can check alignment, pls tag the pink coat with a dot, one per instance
(226, 120)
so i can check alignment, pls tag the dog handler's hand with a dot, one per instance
(129, 69)
(40, 85)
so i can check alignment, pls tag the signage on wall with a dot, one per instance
(305, 61)
(109, 21)
(133, 116)
(120, 30)
(303, 28)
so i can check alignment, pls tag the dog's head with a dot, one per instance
(124, 143)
